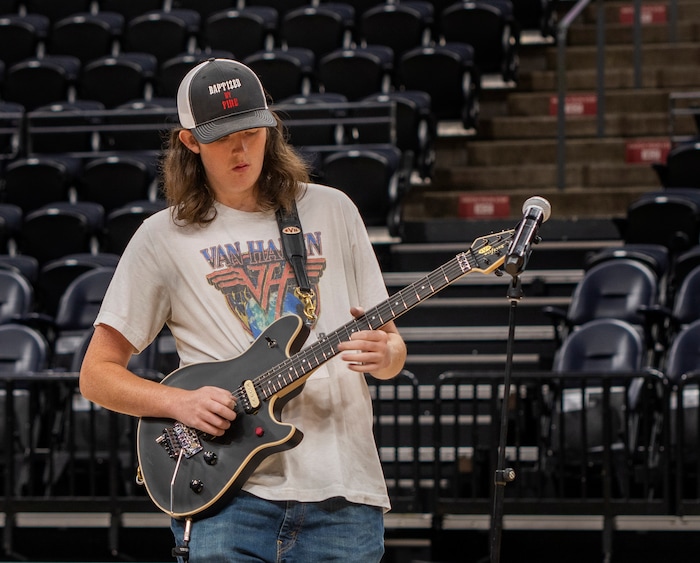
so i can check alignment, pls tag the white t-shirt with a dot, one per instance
(218, 287)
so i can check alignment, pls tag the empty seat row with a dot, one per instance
(488, 25)
(111, 181)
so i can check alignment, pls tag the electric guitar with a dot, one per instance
(189, 474)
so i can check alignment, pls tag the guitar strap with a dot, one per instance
(295, 252)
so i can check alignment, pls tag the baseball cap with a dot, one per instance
(219, 97)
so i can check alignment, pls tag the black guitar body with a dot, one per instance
(203, 481)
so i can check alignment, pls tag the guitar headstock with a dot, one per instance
(489, 252)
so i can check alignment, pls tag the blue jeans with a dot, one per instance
(252, 529)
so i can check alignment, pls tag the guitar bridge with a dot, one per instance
(180, 438)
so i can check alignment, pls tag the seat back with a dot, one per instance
(16, 296)
(22, 349)
(41, 81)
(242, 32)
(369, 177)
(614, 289)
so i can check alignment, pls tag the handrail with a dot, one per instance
(561, 36)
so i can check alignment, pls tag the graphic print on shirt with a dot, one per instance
(258, 283)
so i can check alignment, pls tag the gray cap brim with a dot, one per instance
(219, 128)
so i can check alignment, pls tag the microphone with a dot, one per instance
(536, 210)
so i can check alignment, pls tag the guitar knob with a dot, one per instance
(196, 485)
(210, 458)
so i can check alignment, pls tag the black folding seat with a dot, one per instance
(537, 15)
(624, 289)
(139, 126)
(118, 79)
(241, 31)
(372, 178)
(682, 368)
(21, 36)
(77, 310)
(284, 72)
(311, 120)
(321, 28)
(16, 297)
(57, 10)
(78, 223)
(87, 36)
(400, 26)
(35, 181)
(55, 276)
(416, 127)
(602, 402)
(11, 128)
(40, 81)
(122, 223)
(490, 28)
(172, 71)
(10, 221)
(448, 73)
(162, 34)
(282, 6)
(27, 266)
(130, 8)
(205, 7)
(681, 167)
(49, 128)
(670, 219)
(115, 180)
(356, 72)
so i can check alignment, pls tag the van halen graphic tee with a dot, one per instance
(218, 287)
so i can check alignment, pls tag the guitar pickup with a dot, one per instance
(180, 438)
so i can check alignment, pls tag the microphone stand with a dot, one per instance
(504, 475)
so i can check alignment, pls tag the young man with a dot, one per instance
(212, 268)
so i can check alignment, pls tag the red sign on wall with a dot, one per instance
(651, 13)
(575, 104)
(647, 151)
(484, 206)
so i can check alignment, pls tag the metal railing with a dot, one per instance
(562, 37)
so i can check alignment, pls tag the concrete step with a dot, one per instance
(654, 100)
(526, 152)
(616, 125)
(622, 56)
(623, 34)
(570, 204)
(663, 77)
(517, 177)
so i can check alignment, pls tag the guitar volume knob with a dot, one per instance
(210, 458)
(197, 486)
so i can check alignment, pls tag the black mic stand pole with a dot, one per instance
(503, 474)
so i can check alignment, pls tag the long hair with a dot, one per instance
(282, 179)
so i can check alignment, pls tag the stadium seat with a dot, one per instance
(16, 297)
(116, 80)
(21, 36)
(40, 81)
(322, 29)
(284, 72)
(681, 167)
(163, 34)
(449, 75)
(36, 181)
(86, 36)
(339, 71)
(241, 31)
(122, 223)
(49, 128)
(490, 28)
(115, 180)
(130, 8)
(57, 10)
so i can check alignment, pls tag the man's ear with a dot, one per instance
(187, 139)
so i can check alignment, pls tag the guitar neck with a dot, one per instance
(308, 359)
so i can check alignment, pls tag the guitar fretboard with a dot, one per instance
(308, 359)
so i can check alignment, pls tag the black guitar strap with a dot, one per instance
(295, 252)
